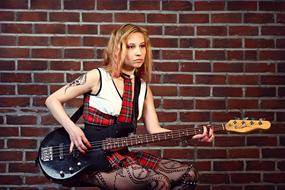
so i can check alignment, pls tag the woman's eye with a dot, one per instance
(142, 46)
(130, 46)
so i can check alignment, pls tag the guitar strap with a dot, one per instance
(76, 116)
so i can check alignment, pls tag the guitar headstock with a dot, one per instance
(245, 126)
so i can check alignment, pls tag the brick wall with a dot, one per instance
(214, 61)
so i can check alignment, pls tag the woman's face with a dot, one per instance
(136, 51)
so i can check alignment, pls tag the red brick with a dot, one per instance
(260, 92)
(272, 55)
(7, 89)
(260, 165)
(10, 156)
(9, 132)
(273, 153)
(34, 131)
(49, 77)
(178, 78)
(272, 80)
(244, 153)
(177, 54)
(23, 167)
(215, 179)
(50, 4)
(273, 30)
(267, 115)
(95, 41)
(16, 77)
(65, 65)
(227, 67)
(164, 42)
(258, 18)
(82, 29)
(280, 18)
(129, 17)
(22, 143)
(161, 18)
(144, 5)
(14, 4)
(242, 5)
(211, 153)
(32, 65)
(177, 5)
(178, 153)
(243, 30)
(33, 41)
(164, 90)
(224, 116)
(243, 79)
(261, 141)
(97, 17)
(194, 91)
(242, 104)
(32, 16)
(7, 40)
(79, 53)
(179, 30)
(66, 41)
(195, 67)
(64, 16)
(177, 104)
(11, 180)
(167, 116)
(12, 102)
(259, 43)
(207, 6)
(194, 18)
(21, 120)
(14, 52)
(32, 89)
(228, 165)
(7, 15)
(230, 141)
(212, 30)
(112, 5)
(210, 104)
(274, 177)
(210, 79)
(194, 116)
(37, 180)
(50, 28)
(271, 6)
(46, 53)
(273, 104)
(226, 18)
(210, 55)
(227, 43)
(194, 42)
(245, 178)
(17, 28)
(280, 43)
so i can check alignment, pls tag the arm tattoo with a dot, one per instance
(79, 81)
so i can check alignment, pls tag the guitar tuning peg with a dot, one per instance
(245, 118)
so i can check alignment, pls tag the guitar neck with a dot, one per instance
(115, 143)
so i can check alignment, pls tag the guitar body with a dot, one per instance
(62, 167)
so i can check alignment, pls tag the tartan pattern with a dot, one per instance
(95, 117)
(127, 104)
(133, 157)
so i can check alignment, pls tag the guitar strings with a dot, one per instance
(63, 150)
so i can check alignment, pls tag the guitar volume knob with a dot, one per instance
(78, 163)
(61, 173)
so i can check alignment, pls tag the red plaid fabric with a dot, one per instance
(95, 117)
(127, 104)
(133, 157)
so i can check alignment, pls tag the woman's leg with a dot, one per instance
(129, 178)
(181, 175)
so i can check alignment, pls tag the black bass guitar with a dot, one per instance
(59, 165)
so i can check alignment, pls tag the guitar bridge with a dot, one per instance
(46, 154)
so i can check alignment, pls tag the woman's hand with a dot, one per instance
(206, 136)
(78, 138)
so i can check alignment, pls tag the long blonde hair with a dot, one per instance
(115, 53)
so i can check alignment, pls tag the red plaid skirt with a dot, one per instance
(142, 158)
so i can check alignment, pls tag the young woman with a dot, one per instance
(108, 100)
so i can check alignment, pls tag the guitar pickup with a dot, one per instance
(46, 154)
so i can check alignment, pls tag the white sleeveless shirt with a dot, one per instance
(108, 100)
